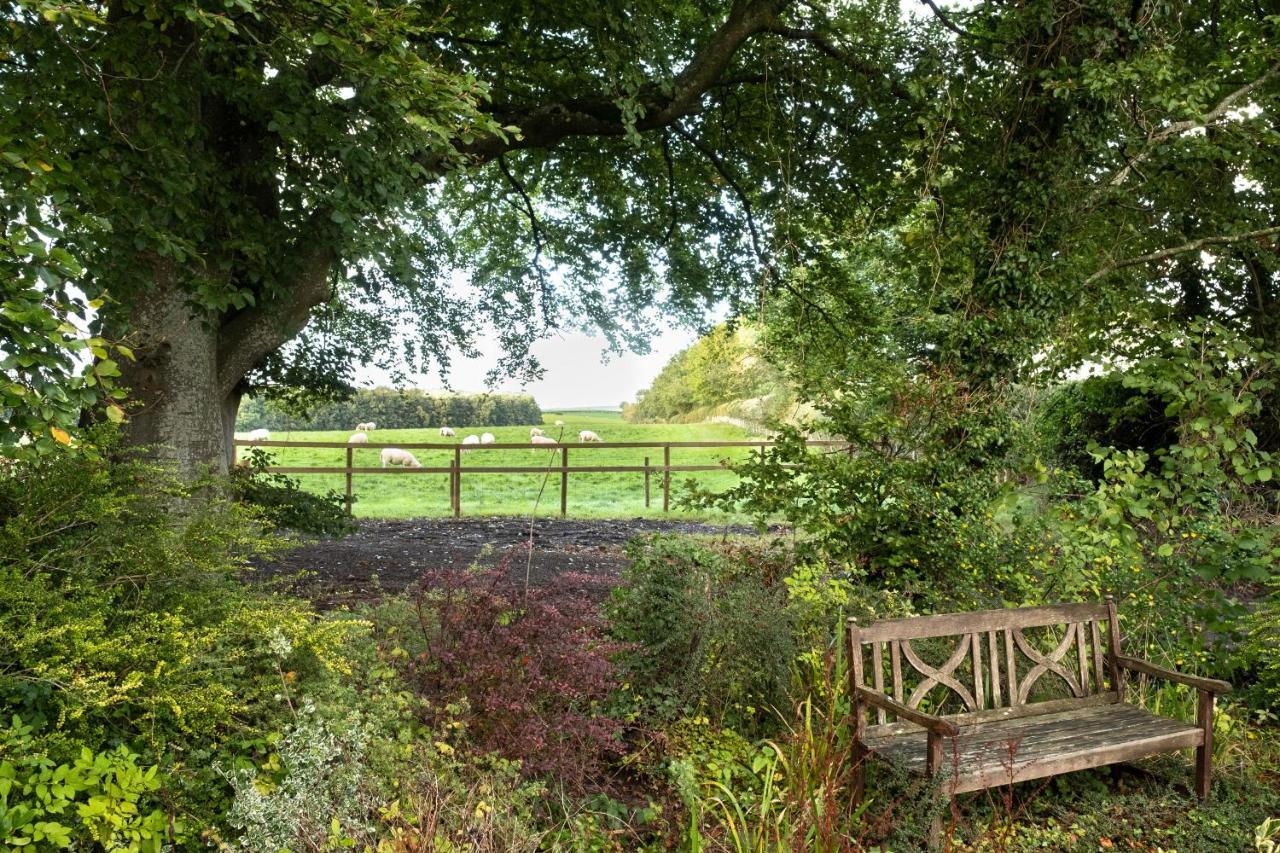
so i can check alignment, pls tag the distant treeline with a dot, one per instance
(722, 375)
(395, 409)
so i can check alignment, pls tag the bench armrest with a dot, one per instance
(1209, 685)
(937, 725)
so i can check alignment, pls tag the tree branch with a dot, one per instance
(954, 27)
(1180, 127)
(543, 126)
(1194, 245)
(534, 225)
(250, 336)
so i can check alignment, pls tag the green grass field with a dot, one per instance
(605, 495)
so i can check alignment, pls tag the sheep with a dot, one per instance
(358, 438)
(396, 456)
(259, 435)
(487, 438)
(542, 439)
(587, 435)
(446, 432)
(535, 432)
(559, 423)
(471, 439)
(369, 427)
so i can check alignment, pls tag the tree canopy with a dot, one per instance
(266, 194)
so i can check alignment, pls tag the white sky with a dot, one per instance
(576, 372)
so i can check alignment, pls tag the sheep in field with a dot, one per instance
(259, 435)
(559, 423)
(358, 438)
(587, 435)
(535, 432)
(471, 439)
(396, 456)
(542, 439)
(487, 438)
(446, 432)
(369, 427)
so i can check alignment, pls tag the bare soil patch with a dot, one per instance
(389, 555)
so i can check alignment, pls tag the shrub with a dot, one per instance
(394, 409)
(281, 501)
(104, 798)
(525, 674)
(124, 618)
(702, 635)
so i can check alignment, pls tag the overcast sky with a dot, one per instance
(577, 374)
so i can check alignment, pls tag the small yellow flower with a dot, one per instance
(443, 748)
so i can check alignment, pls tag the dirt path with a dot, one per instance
(387, 556)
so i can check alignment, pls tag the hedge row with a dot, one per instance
(390, 408)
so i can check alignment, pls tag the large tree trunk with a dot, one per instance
(174, 381)
(188, 377)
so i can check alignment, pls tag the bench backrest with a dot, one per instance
(992, 662)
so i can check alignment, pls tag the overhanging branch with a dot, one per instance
(1192, 246)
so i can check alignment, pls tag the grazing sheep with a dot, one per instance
(587, 435)
(471, 439)
(259, 435)
(559, 423)
(358, 438)
(446, 432)
(396, 456)
(487, 438)
(535, 431)
(369, 427)
(542, 439)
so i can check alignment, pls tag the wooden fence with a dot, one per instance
(455, 470)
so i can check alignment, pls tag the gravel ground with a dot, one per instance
(387, 556)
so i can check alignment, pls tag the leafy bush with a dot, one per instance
(281, 501)
(1101, 411)
(703, 634)
(525, 674)
(104, 798)
(124, 618)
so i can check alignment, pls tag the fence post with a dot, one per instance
(564, 481)
(457, 482)
(646, 482)
(350, 455)
(666, 477)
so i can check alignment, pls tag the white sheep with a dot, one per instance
(446, 432)
(487, 438)
(369, 427)
(559, 423)
(587, 435)
(259, 435)
(396, 456)
(471, 439)
(358, 438)
(535, 432)
(542, 439)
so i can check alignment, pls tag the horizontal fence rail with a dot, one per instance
(457, 469)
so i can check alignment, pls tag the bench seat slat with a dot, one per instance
(997, 752)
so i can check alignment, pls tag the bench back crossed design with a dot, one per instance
(1014, 695)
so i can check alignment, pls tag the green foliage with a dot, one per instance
(124, 617)
(707, 636)
(102, 798)
(395, 409)
(723, 372)
(281, 501)
(1099, 411)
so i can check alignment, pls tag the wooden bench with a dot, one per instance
(1025, 694)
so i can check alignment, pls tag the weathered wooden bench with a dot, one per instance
(1027, 693)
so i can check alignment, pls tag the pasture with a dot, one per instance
(591, 495)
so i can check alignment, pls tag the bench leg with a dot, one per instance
(933, 766)
(1204, 752)
(857, 781)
